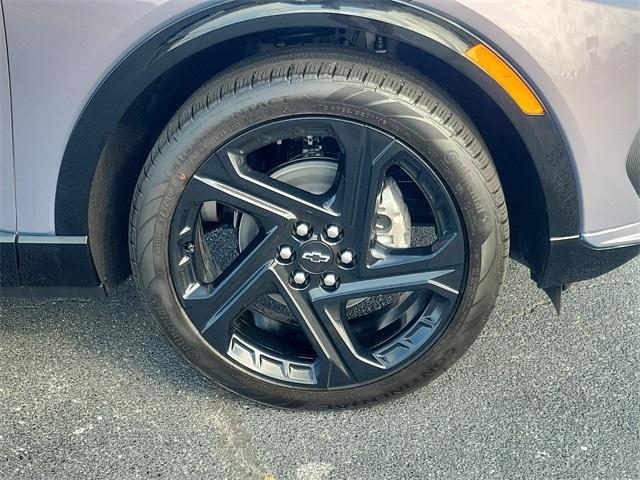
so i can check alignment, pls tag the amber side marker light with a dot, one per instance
(509, 80)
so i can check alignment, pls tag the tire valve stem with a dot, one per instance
(380, 44)
(190, 247)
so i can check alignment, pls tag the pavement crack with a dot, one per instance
(244, 455)
(528, 310)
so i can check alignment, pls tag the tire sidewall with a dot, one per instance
(195, 140)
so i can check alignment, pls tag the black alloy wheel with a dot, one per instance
(317, 252)
(309, 256)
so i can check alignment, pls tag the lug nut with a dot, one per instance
(347, 257)
(330, 280)
(302, 229)
(333, 231)
(299, 278)
(285, 253)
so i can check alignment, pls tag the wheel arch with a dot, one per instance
(113, 134)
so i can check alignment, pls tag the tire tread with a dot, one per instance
(344, 66)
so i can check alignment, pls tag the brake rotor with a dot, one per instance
(393, 222)
(313, 175)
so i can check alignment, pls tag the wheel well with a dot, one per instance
(525, 199)
(127, 147)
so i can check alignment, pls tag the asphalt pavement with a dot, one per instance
(89, 389)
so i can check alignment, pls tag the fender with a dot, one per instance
(405, 22)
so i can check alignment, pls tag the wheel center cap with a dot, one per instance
(315, 257)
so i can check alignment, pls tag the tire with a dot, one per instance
(317, 81)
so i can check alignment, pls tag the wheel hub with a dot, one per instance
(316, 257)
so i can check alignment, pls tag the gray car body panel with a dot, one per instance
(584, 59)
(580, 56)
(7, 192)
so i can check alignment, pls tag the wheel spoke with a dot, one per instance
(445, 253)
(358, 175)
(341, 358)
(228, 179)
(438, 269)
(434, 281)
(214, 308)
(367, 154)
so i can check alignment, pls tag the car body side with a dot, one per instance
(64, 57)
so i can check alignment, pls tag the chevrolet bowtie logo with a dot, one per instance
(316, 257)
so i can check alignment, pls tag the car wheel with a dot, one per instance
(319, 228)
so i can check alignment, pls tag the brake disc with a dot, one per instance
(393, 222)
